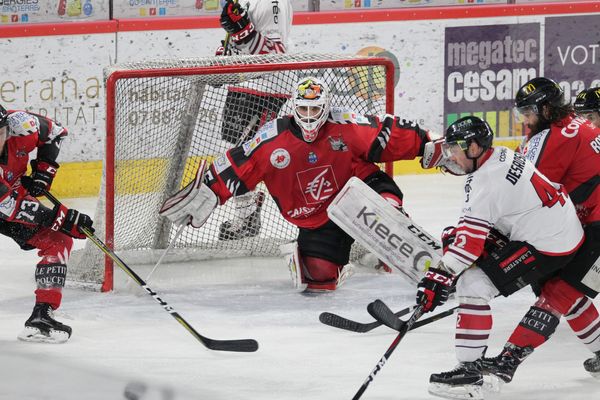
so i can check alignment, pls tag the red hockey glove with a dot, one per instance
(448, 237)
(235, 20)
(434, 288)
(71, 222)
(432, 154)
(41, 177)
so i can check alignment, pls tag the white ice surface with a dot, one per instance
(126, 336)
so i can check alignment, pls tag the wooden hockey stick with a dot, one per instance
(239, 345)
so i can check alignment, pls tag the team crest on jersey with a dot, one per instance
(280, 158)
(337, 143)
(312, 157)
(317, 184)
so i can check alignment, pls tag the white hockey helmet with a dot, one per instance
(311, 101)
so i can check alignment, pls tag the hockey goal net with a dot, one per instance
(163, 117)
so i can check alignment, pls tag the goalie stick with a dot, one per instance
(404, 329)
(239, 345)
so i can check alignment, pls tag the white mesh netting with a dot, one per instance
(171, 114)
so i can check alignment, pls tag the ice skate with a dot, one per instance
(501, 369)
(592, 365)
(463, 382)
(42, 327)
(246, 223)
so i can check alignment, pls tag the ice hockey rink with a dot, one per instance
(124, 346)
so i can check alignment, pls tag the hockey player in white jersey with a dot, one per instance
(254, 27)
(503, 191)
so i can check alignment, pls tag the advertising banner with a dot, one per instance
(484, 66)
(43, 11)
(572, 58)
(328, 5)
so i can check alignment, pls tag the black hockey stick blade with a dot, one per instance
(382, 313)
(337, 321)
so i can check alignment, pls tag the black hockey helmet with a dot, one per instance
(588, 101)
(469, 129)
(538, 92)
(3, 116)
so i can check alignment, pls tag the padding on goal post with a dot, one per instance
(163, 117)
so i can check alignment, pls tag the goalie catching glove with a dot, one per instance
(193, 204)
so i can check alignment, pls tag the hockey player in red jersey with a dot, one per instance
(254, 27)
(587, 105)
(31, 224)
(566, 149)
(305, 159)
(544, 233)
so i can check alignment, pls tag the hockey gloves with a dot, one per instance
(71, 222)
(41, 177)
(432, 154)
(434, 288)
(448, 237)
(235, 20)
(192, 205)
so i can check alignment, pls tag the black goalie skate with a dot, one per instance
(463, 382)
(592, 365)
(42, 327)
(247, 227)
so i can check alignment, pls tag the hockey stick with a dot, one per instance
(382, 313)
(171, 244)
(337, 321)
(404, 329)
(241, 345)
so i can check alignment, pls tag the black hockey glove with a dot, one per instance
(71, 222)
(434, 288)
(42, 175)
(235, 20)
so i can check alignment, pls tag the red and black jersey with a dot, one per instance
(569, 153)
(303, 178)
(26, 132)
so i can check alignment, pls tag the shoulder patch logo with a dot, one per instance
(280, 158)
(337, 143)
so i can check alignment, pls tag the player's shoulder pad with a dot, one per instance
(343, 115)
(267, 132)
(22, 123)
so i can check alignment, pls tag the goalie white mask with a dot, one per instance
(311, 106)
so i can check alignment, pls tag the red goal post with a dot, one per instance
(163, 116)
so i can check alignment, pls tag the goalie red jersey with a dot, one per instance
(303, 178)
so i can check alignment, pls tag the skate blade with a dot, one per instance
(30, 334)
(492, 383)
(469, 392)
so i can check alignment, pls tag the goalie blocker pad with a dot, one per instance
(382, 229)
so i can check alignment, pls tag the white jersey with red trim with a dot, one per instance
(508, 193)
(272, 20)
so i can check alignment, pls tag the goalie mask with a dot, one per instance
(311, 106)
(3, 126)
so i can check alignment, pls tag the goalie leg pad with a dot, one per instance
(291, 256)
(392, 236)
